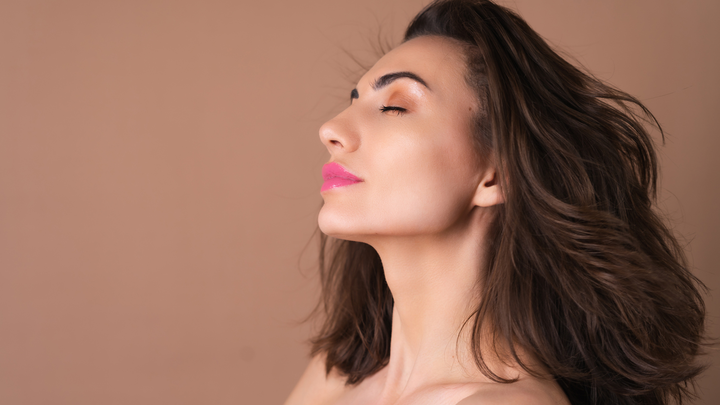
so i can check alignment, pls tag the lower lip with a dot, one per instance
(336, 182)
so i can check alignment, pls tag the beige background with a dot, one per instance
(159, 178)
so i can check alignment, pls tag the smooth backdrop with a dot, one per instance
(159, 178)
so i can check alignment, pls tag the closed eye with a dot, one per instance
(399, 110)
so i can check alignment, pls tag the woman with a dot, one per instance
(493, 239)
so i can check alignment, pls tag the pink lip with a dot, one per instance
(336, 176)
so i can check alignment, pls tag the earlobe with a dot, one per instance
(489, 192)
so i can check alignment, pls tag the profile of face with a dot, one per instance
(407, 136)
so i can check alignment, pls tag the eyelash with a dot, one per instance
(400, 110)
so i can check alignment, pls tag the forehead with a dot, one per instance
(438, 60)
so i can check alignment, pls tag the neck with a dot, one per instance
(434, 281)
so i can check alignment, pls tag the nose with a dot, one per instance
(339, 135)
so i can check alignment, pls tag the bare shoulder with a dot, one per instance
(523, 392)
(316, 386)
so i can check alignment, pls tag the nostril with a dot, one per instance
(336, 143)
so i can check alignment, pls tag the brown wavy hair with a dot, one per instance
(583, 274)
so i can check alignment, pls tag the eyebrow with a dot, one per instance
(385, 80)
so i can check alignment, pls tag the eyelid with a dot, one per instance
(400, 110)
(402, 96)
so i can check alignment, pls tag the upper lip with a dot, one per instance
(334, 169)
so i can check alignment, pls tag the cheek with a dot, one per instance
(427, 187)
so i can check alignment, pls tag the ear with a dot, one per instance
(488, 192)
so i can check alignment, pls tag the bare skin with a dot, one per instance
(425, 205)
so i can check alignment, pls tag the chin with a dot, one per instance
(332, 225)
(337, 225)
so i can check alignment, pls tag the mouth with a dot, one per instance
(337, 176)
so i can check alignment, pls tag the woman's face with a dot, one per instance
(407, 136)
